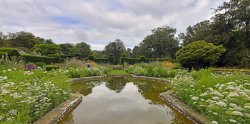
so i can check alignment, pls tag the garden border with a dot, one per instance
(55, 115)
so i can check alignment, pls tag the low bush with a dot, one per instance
(51, 67)
(9, 51)
(153, 70)
(75, 73)
(44, 59)
(40, 64)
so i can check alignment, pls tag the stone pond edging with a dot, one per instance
(55, 115)
(86, 78)
(175, 103)
(181, 107)
(151, 78)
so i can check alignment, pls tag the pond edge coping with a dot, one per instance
(55, 115)
(176, 104)
(170, 98)
(151, 78)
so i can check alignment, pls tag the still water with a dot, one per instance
(122, 100)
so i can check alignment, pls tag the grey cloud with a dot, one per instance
(101, 20)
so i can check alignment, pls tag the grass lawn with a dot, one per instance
(117, 72)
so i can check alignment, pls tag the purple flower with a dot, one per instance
(30, 67)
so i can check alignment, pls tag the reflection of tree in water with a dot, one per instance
(84, 88)
(116, 83)
(151, 90)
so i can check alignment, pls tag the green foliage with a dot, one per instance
(9, 51)
(44, 59)
(153, 70)
(51, 67)
(221, 97)
(161, 43)
(101, 60)
(75, 73)
(91, 58)
(228, 27)
(46, 49)
(40, 64)
(21, 39)
(65, 48)
(114, 51)
(80, 50)
(27, 95)
(199, 54)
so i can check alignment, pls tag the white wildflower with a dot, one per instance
(232, 121)
(237, 113)
(221, 104)
(215, 98)
(203, 94)
(233, 94)
(195, 98)
(214, 122)
(13, 112)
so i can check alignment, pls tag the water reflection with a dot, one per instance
(122, 101)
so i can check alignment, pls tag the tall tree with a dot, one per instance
(115, 49)
(230, 28)
(81, 50)
(65, 48)
(200, 31)
(161, 43)
(136, 52)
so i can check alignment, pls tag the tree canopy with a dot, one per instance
(199, 54)
(115, 49)
(161, 43)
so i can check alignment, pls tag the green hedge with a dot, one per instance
(44, 59)
(101, 60)
(51, 67)
(9, 51)
(2, 54)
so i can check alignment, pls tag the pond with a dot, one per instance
(122, 100)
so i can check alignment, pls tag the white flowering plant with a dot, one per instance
(26, 96)
(222, 98)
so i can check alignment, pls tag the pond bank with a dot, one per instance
(181, 107)
(60, 111)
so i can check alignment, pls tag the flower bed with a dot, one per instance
(223, 98)
(28, 95)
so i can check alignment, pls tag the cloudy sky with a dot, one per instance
(98, 22)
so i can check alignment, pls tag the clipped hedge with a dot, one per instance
(51, 67)
(101, 60)
(43, 59)
(9, 51)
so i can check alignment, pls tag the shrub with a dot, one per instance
(74, 73)
(51, 67)
(46, 49)
(91, 58)
(9, 51)
(168, 64)
(101, 60)
(142, 59)
(199, 54)
(40, 64)
(44, 59)
(73, 63)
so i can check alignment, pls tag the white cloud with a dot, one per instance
(98, 22)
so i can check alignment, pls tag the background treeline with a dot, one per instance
(229, 27)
